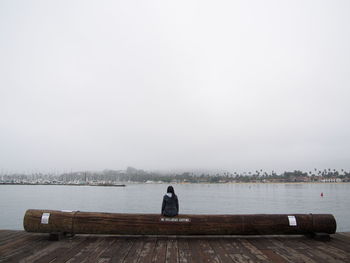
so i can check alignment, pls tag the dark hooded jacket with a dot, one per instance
(170, 205)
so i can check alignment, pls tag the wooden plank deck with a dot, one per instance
(20, 246)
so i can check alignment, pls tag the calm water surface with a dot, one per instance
(193, 198)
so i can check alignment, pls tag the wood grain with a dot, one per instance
(19, 246)
(154, 224)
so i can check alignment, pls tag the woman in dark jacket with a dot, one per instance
(170, 205)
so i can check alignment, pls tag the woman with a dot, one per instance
(170, 206)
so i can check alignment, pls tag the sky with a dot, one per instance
(174, 85)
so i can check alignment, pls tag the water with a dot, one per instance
(193, 198)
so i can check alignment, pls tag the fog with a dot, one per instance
(174, 85)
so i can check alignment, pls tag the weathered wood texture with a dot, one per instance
(154, 224)
(20, 246)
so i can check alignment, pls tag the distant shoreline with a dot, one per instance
(262, 183)
(114, 185)
(124, 185)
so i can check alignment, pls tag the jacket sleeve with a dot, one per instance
(177, 205)
(163, 206)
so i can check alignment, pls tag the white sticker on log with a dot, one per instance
(45, 218)
(292, 220)
(176, 219)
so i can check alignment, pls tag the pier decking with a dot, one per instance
(20, 246)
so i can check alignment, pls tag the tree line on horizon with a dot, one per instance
(137, 175)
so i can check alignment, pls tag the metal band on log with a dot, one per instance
(76, 222)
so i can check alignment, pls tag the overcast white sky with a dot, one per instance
(167, 85)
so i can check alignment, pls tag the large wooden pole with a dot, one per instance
(76, 222)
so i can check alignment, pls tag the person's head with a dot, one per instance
(170, 190)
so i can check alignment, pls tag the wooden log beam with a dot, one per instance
(76, 222)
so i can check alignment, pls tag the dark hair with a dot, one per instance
(170, 190)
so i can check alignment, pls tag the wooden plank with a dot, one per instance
(339, 244)
(8, 238)
(113, 248)
(121, 251)
(17, 244)
(302, 248)
(148, 250)
(234, 254)
(185, 255)
(202, 251)
(266, 247)
(26, 250)
(294, 242)
(160, 251)
(89, 250)
(240, 249)
(342, 239)
(307, 247)
(197, 255)
(312, 255)
(273, 256)
(261, 242)
(281, 251)
(105, 243)
(135, 251)
(9, 235)
(36, 251)
(297, 249)
(75, 248)
(220, 251)
(24, 247)
(346, 234)
(292, 254)
(254, 251)
(5, 233)
(325, 250)
(209, 251)
(325, 256)
(171, 255)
